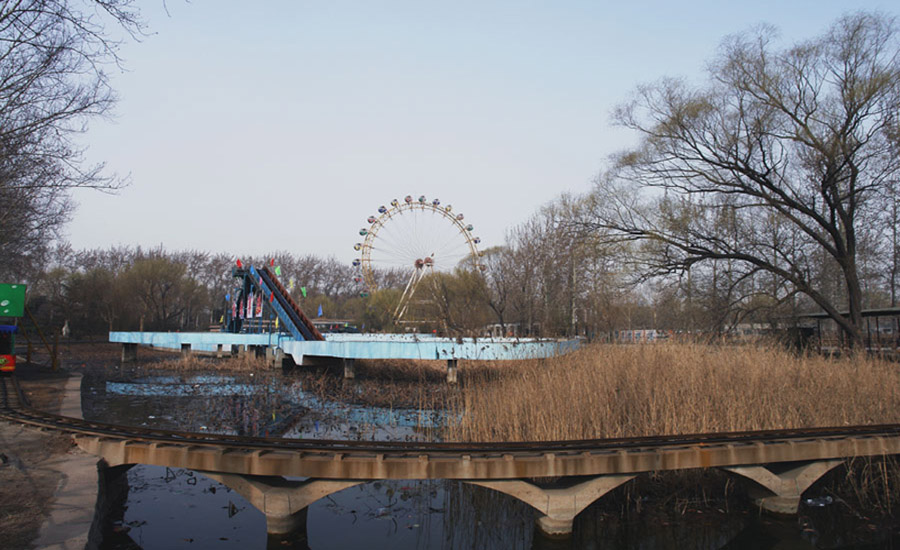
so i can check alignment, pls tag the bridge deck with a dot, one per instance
(331, 463)
(361, 346)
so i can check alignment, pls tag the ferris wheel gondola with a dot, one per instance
(417, 236)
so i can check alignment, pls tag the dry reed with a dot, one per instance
(674, 388)
(246, 363)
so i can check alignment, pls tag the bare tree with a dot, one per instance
(457, 301)
(165, 290)
(52, 82)
(500, 269)
(794, 143)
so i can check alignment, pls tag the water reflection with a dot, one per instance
(169, 508)
(261, 405)
(175, 508)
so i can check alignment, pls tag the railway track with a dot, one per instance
(14, 407)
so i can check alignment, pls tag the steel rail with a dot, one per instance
(19, 411)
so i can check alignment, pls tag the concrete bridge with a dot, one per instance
(558, 479)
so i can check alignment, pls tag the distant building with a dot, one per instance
(881, 329)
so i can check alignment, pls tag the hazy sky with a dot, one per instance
(251, 127)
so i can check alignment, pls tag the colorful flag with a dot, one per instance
(320, 310)
(303, 291)
(278, 270)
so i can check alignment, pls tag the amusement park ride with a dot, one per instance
(412, 237)
(418, 237)
(12, 306)
(261, 291)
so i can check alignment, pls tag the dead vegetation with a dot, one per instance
(208, 363)
(622, 391)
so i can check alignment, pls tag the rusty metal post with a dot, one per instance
(896, 331)
(878, 333)
(820, 334)
(54, 355)
(868, 335)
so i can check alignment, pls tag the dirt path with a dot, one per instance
(30, 463)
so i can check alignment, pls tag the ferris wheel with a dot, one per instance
(417, 236)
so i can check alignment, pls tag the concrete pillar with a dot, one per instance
(558, 505)
(283, 501)
(349, 368)
(780, 494)
(219, 351)
(185, 351)
(274, 356)
(129, 353)
(452, 365)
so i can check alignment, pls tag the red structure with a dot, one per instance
(7, 348)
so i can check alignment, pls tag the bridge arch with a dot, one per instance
(283, 501)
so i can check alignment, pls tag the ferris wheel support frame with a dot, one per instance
(417, 275)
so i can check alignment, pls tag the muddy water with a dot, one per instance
(173, 508)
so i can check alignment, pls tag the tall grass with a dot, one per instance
(620, 391)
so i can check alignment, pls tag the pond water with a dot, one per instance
(164, 508)
(265, 404)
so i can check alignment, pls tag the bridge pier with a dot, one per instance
(185, 351)
(129, 353)
(780, 493)
(349, 367)
(452, 365)
(274, 356)
(283, 501)
(558, 505)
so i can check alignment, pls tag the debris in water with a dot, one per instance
(819, 501)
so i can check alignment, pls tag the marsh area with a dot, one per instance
(173, 508)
